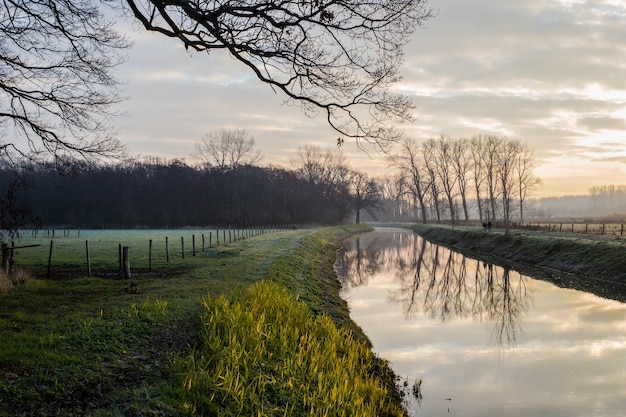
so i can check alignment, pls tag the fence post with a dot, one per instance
(621, 233)
(150, 256)
(88, 259)
(126, 262)
(602, 228)
(182, 246)
(202, 242)
(121, 261)
(167, 250)
(5, 258)
(210, 238)
(193, 245)
(50, 259)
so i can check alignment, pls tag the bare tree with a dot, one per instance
(411, 165)
(440, 157)
(461, 164)
(526, 180)
(56, 87)
(505, 169)
(365, 194)
(491, 147)
(227, 149)
(337, 57)
(476, 147)
(328, 172)
(326, 168)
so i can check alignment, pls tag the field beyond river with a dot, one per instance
(591, 263)
(252, 327)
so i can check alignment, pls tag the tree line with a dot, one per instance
(441, 178)
(320, 189)
(600, 201)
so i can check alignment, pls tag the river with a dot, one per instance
(469, 338)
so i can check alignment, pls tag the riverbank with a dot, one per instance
(592, 263)
(202, 339)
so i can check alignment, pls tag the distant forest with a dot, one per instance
(168, 194)
(160, 193)
(601, 201)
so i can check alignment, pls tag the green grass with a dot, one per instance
(594, 263)
(76, 346)
(247, 365)
(69, 253)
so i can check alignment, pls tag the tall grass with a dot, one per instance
(8, 281)
(264, 353)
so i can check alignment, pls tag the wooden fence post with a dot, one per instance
(202, 242)
(5, 258)
(121, 261)
(50, 259)
(210, 238)
(193, 245)
(182, 246)
(88, 259)
(167, 250)
(126, 262)
(150, 256)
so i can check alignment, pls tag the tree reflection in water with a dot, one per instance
(446, 285)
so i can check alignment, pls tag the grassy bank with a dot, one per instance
(252, 328)
(592, 263)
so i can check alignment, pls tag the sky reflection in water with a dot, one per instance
(493, 341)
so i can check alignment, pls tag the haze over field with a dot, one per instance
(551, 73)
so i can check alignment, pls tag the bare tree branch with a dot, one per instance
(56, 87)
(338, 57)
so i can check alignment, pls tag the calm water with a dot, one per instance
(485, 341)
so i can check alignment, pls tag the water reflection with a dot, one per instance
(438, 283)
(483, 340)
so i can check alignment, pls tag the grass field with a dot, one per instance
(69, 251)
(588, 262)
(230, 331)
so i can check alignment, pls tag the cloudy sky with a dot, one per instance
(550, 73)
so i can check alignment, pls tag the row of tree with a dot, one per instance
(440, 178)
(320, 189)
(485, 177)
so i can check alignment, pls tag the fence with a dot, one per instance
(113, 252)
(600, 228)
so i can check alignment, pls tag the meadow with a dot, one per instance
(149, 249)
(251, 327)
(588, 262)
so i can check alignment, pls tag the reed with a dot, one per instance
(8, 281)
(263, 353)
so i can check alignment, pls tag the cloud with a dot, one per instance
(548, 72)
